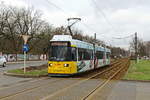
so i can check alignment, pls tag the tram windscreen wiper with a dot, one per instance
(52, 58)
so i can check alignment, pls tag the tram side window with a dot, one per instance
(73, 54)
(107, 55)
(84, 54)
(89, 54)
(49, 52)
(80, 54)
(99, 54)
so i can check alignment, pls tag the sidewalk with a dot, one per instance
(20, 62)
(130, 90)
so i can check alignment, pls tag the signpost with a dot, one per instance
(25, 49)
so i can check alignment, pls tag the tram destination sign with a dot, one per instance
(59, 44)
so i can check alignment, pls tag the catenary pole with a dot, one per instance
(94, 48)
(136, 48)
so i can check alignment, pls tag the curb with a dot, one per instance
(24, 76)
(135, 80)
(19, 62)
(39, 76)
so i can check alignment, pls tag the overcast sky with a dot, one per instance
(108, 18)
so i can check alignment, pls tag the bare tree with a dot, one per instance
(19, 21)
(148, 48)
(15, 22)
(141, 47)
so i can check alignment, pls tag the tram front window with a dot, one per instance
(59, 52)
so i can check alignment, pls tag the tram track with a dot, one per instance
(97, 70)
(55, 94)
(100, 86)
(21, 83)
(29, 89)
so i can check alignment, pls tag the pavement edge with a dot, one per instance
(24, 76)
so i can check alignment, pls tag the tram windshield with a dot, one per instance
(60, 51)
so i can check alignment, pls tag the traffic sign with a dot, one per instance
(26, 47)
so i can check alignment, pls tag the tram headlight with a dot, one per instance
(50, 64)
(66, 65)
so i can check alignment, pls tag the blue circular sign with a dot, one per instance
(26, 47)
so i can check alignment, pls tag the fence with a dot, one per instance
(20, 57)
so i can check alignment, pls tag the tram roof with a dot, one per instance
(78, 43)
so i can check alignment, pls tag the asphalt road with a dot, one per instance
(56, 89)
(8, 80)
(13, 88)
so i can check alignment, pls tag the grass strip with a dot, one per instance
(139, 71)
(31, 73)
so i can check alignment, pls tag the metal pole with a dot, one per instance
(136, 48)
(24, 62)
(77, 55)
(25, 38)
(94, 49)
(104, 53)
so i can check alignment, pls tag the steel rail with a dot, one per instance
(103, 84)
(18, 84)
(29, 89)
(45, 85)
(75, 84)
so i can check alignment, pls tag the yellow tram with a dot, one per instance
(69, 56)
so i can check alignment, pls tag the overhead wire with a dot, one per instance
(54, 5)
(103, 14)
(62, 10)
(123, 37)
(87, 26)
(107, 20)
